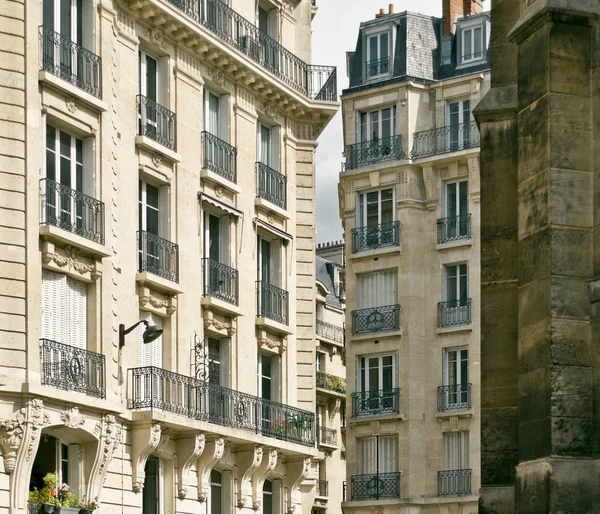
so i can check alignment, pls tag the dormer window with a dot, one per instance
(378, 54)
(472, 42)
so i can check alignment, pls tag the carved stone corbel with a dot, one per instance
(296, 473)
(334, 407)
(212, 454)
(145, 441)
(248, 462)
(109, 433)
(188, 451)
(474, 178)
(429, 179)
(260, 475)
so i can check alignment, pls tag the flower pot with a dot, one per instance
(69, 510)
(85, 511)
(48, 507)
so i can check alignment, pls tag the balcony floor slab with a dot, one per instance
(268, 206)
(153, 146)
(158, 283)
(221, 306)
(450, 245)
(273, 326)
(376, 336)
(467, 327)
(219, 180)
(58, 83)
(68, 238)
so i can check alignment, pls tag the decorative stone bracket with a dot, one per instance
(212, 454)
(145, 441)
(474, 179)
(334, 406)
(431, 199)
(269, 343)
(188, 451)
(260, 475)
(248, 461)
(296, 473)
(109, 433)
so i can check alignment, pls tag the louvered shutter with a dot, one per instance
(277, 496)
(275, 148)
(276, 385)
(388, 454)
(226, 491)
(74, 469)
(150, 354)
(224, 128)
(89, 25)
(162, 94)
(88, 186)
(366, 452)
(52, 310)
(276, 262)
(76, 314)
(224, 225)
(225, 357)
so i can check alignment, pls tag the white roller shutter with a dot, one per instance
(76, 314)
(74, 469)
(226, 491)
(386, 288)
(52, 310)
(277, 496)
(367, 290)
(89, 25)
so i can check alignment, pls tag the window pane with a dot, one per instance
(65, 144)
(363, 126)
(65, 171)
(468, 49)
(375, 126)
(383, 46)
(372, 209)
(373, 374)
(373, 54)
(451, 200)
(266, 366)
(263, 20)
(152, 196)
(478, 43)
(464, 367)
(213, 114)
(387, 378)
(386, 123)
(152, 221)
(151, 66)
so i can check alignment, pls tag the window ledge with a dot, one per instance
(371, 336)
(153, 146)
(474, 62)
(265, 204)
(66, 237)
(218, 179)
(468, 241)
(329, 392)
(222, 306)
(366, 254)
(273, 326)
(394, 416)
(451, 413)
(467, 327)
(53, 80)
(158, 283)
(329, 448)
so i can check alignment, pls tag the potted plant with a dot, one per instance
(87, 507)
(66, 501)
(46, 496)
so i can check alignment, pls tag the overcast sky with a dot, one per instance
(335, 30)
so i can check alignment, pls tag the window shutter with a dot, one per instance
(275, 150)
(224, 223)
(225, 357)
(224, 127)
(277, 496)
(386, 288)
(164, 213)
(89, 27)
(276, 385)
(226, 491)
(89, 175)
(464, 457)
(367, 455)
(150, 354)
(74, 468)
(388, 454)
(51, 308)
(162, 95)
(76, 312)
(276, 263)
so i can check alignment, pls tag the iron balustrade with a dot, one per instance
(378, 67)
(454, 228)
(271, 185)
(330, 331)
(221, 281)
(375, 486)
(454, 312)
(369, 403)
(157, 123)
(376, 319)
(273, 302)
(158, 256)
(219, 157)
(313, 81)
(71, 62)
(454, 397)
(376, 236)
(451, 138)
(372, 152)
(331, 382)
(152, 387)
(73, 369)
(328, 436)
(71, 210)
(454, 482)
(322, 488)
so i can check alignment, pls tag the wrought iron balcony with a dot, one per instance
(152, 387)
(157, 123)
(454, 397)
(219, 157)
(451, 138)
(271, 185)
(328, 436)
(369, 403)
(73, 369)
(330, 331)
(322, 488)
(376, 486)
(376, 319)
(372, 152)
(158, 256)
(72, 211)
(331, 382)
(378, 67)
(454, 228)
(454, 482)
(71, 62)
(273, 302)
(375, 236)
(454, 312)
(221, 281)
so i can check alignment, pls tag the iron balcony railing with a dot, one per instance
(451, 138)
(219, 157)
(221, 281)
(369, 403)
(376, 319)
(454, 228)
(328, 436)
(73, 369)
(271, 185)
(71, 62)
(375, 486)
(378, 67)
(273, 302)
(72, 211)
(152, 387)
(322, 488)
(454, 397)
(330, 331)
(454, 482)
(158, 256)
(157, 122)
(331, 382)
(372, 152)
(454, 313)
(375, 236)
(315, 82)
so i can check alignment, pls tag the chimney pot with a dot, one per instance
(391, 8)
(381, 11)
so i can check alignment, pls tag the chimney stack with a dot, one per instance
(391, 9)
(454, 9)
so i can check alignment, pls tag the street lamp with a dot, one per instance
(151, 333)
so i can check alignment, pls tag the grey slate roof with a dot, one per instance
(326, 276)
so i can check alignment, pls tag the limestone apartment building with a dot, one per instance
(157, 325)
(409, 202)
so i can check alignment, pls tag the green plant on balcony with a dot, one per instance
(331, 383)
(59, 499)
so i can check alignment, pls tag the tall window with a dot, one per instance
(377, 289)
(267, 22)
(153, 492)
(320, 361)
(472, 43)
(217, 237)
(215, 492)
(269, 261)
(376, 455)
(217, 361)
(377, 125)
(378, 51)
(375, 208)
(65, 17)
(456, 450)
(268, 146)
(153, 224)
(377, 373)
(269, 377)
(268, 497)
(456, 376)
(456, 283)
(456, 208)
(459, 118)
(216, 114)
(60, 456)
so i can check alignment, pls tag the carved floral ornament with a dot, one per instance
(215, 324)
(217, 76)
(72, 260)
(270, 110)
(72, 418)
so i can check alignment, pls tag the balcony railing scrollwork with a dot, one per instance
(157, 123)
(454, 228)
(219, 157)
(375, 486)
(376, 319)
(454, 313)
(271, 185)
(152, 387)
(330, 331)
(73, 369)
(454, 397)
(71, 62)
(328, 436)
(451, 138)
(454, 482)
(322, 488)
(372, 152)
(72, 211)
(331, 382)
(221, 281)
(376, 236)
(273, 302)
(158, 256)
(369, 403)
